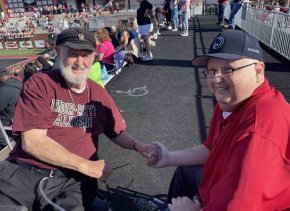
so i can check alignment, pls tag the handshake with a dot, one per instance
(156, 153)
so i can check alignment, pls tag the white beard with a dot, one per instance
(70, 77)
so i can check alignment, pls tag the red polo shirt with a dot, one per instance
(249, 163)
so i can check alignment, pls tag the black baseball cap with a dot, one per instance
(76, 38)
(232, 44)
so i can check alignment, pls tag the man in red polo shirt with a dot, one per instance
(244, 164)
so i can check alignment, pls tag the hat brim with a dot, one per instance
(78, 46)
(202, 60)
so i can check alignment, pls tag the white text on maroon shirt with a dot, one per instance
(71, 115)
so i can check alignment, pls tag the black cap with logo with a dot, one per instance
(230, 45)
(76, 38)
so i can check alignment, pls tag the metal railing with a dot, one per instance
(270, 27)
(110, 20)
(209, 9)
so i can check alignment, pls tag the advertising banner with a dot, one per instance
(11, 44)
(25, 44)
(39, 43)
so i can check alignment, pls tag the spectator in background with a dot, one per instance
(133, 26)
(116, 6)
(167, 11)
(128, 38)
(235, 7)
(174, 13)
(125, 35)
(42, 64)
(111, 6)
(222, 5)
(29, 69)
(10, 88)
(154, 28)
(2, 15)
(48, 58)
(184, 16)
(105, 49)
(84, 18)
(18, 72)
(114, 35)
(144, 26)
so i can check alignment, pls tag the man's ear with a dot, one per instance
(260, 71)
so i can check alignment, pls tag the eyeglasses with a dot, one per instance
(224, 71)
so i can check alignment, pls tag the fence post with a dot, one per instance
(273, 27)
(255, 16)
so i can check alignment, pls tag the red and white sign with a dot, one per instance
(39, 43)
(11, 44)
(25, 44)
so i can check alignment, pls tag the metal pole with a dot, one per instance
(129, 4)
(274, 25)
(254, 24)
(6, 138)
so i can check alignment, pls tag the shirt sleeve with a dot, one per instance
(256, 177)
(32, 105)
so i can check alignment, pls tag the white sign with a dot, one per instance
(11, 44)
(39, 43)
(1, 45)
(25, 44)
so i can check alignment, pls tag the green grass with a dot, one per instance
(20, 52)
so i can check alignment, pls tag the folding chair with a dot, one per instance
(6, 150)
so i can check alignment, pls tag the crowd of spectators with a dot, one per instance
(51, 19)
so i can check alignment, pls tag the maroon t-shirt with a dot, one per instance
(73, 121)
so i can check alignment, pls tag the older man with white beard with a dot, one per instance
(57, 122)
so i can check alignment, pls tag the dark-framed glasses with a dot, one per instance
(224, 71)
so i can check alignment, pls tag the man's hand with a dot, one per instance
(149, 151)
(183, 203)
(164, 154)
(97, 169)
